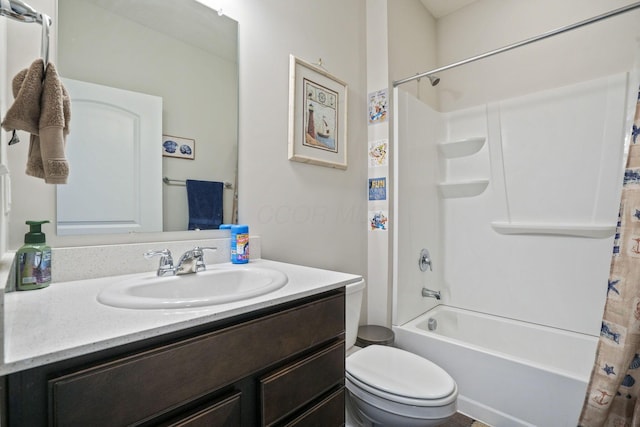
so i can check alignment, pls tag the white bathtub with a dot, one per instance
(509, 373)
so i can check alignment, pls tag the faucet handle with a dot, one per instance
(198, 249)
(424, 261)
(198, 254)
(166, 261)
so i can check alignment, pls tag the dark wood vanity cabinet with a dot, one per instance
(281, 367)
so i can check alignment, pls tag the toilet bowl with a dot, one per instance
(388, 386)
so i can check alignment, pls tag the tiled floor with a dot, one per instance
(460, 420)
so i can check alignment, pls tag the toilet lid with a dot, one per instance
(398, 372)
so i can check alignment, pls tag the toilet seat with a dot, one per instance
(399, 376)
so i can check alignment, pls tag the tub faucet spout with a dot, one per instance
(431, 294)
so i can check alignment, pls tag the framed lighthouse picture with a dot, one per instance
(317, 116)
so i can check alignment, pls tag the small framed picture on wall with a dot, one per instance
(175, 146)
(317, 116)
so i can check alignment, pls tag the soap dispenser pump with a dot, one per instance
(33, 259)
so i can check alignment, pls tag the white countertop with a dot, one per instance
(65, 320)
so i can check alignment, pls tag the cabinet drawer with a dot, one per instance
(297, 384)
(225, 413)
(147, 384)
(327, 413)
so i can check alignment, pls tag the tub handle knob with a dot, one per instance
(424, 261)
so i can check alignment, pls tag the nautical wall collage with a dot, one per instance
(378, 163)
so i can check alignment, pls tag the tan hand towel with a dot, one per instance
(24, 113)
(42, 108)
(54, 127)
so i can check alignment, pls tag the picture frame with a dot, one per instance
(176, 146)
(317, 116)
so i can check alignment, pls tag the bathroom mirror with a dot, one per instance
(180, 52)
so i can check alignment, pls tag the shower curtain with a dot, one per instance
(612, 394)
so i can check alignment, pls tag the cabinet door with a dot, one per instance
(144, 385)
(327, 413)
(298, 384)
(225, 413)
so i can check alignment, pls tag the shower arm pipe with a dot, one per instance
(542, 36)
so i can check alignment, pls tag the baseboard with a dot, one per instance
(488, 415)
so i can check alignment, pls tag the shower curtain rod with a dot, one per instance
(522, 43)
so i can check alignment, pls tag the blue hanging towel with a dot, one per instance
(205, 204)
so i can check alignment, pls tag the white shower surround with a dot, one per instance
(554, 162)
(553, 159)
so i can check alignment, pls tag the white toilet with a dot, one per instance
(389, 386)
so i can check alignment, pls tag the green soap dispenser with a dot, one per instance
(33, 265)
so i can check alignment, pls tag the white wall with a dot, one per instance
(604, 48)
(378, 301)
(558, 281)
(418, 207)
(4, 180)
(305, 214)
(401, 41)
(412, 46)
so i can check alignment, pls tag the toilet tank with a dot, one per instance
(354, 292)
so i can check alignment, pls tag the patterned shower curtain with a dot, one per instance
(612, 394)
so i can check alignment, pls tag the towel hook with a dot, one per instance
(319, 64)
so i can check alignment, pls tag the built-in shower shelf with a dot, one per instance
(461, 148)
(594, 231)
(450, 190)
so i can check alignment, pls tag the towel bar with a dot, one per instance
(170, 181)
(21, 11)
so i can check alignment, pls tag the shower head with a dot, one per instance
(434, 80)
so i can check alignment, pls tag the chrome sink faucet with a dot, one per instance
(191, 261)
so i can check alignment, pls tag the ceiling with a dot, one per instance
(189, 21)
(439, 8)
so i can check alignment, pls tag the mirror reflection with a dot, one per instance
(180, 58)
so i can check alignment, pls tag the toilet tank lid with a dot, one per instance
(399, 372)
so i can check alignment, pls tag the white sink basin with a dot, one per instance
(217, 285)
